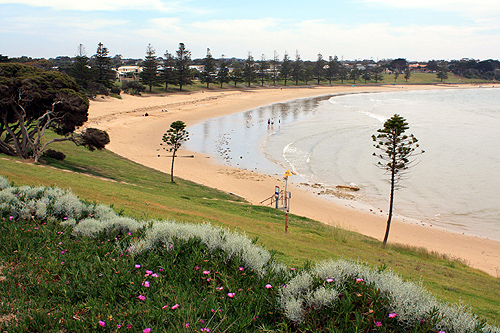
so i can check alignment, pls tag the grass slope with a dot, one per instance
(140, 192)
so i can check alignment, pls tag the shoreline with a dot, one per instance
(138, 138)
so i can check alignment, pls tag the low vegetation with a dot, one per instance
(77, 266)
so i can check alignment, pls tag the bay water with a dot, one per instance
(454, 185)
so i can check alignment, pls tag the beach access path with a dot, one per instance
(137, 137)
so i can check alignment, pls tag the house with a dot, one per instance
(128, 73)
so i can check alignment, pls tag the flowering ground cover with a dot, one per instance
(73, 266)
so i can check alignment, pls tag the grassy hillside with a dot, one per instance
(140, 192)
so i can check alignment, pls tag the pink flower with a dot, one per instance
(175, 306)
(230, 295)
(102, 324)
(141, 297)
(268, 286)
(241, 268)
(329, 280)
(137, 266)
(145, 284)
(146, 330)
(129, 326)
(292, 269)
(186, 325)
(149, 272)
(393, 315)
(359, 280)
(441, 332)
(219, 288)
(378, 323)
(197, 268)
(206, 272)
(118, 326)
(154, 275)
(164, 307)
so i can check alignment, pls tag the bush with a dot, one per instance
(57, 155)
(133, 87)
(115, 90)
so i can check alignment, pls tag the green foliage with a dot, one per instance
(249, 70)
(149, 75)
(208, 75)
(102, 67)
(79, 266)
(286, 68)
(182, 62)
(33, 100)
(133, 87)
(223, 73)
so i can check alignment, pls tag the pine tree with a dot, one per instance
(175, 137)
(249, 69)
(297, 68)
(286, 67)
(182, 62)
(149, 74)
(80, 69)
(397, 150)
(167, 73)
(223, 73)
(319, 68)
(102, 67)
(208, 69)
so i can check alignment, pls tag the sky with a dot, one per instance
(417, 30)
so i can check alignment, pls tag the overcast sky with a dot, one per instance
(352, 29)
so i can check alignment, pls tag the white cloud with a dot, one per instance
(102, 5)
(377, 40)
(478, 10)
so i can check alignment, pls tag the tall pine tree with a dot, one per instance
(149, 75)
(167, 72)
(208, 69)
(182, 62)
(102, 67)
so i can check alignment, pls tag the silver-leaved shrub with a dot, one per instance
(410, 301)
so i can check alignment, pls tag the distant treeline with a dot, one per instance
(98, 73)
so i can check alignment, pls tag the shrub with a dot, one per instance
(57, 155)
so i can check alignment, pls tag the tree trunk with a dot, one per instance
(391, 200)
(172, 168)
(391, 204)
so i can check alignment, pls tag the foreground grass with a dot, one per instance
(164, 276)
(139, 192)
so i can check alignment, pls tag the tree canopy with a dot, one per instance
(33, 100)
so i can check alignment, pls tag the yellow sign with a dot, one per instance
(288, 173)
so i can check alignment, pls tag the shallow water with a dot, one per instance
(454, 185)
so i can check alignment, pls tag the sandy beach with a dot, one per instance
(138, 137)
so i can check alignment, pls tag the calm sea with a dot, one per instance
(455, 184)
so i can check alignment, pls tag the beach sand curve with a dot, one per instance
(137, 137)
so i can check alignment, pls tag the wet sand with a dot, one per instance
(138, 137)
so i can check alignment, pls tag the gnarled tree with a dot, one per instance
(31, 102)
